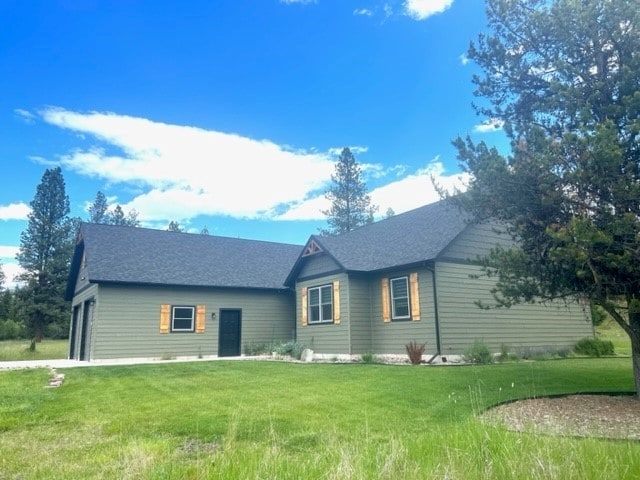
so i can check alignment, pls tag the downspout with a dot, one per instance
(435, 311)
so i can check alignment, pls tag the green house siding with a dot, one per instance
(529, 326)
(317, 265)
(361, 329)
(360, 314)
(476, 240)
(127, 320)
(392, 337)
(328, 338)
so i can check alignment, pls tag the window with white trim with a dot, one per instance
(182, 319)
(321, 304)
(400, 298)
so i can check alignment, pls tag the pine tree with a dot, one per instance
(119, 218)
(563, 77)
(45, 256)
(99, 213)
(99, 209)
(174, 227)
(350, 204)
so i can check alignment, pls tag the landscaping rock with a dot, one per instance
(56, 379)
(307, 355)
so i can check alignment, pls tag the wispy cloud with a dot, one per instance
(356, 150)
(363, 11)
(14, 211)
(464, 60)
(43, 161)
(25, 115)
(186, 171)
(401, 195)
(423, 9)
(492, 125)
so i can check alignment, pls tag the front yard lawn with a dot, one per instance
(249, 420)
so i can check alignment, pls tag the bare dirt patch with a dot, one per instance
(603, 416)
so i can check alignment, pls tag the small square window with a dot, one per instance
(400, 298)
(182, 319)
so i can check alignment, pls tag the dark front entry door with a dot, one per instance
(229, 334)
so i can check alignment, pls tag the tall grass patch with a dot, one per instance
(15, 350)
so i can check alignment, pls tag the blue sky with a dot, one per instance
(229, 114)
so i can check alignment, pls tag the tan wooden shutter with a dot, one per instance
(336, 301)
(165, 312)
(304, 307)
(384, 291)
(201, 312)
(414, 290)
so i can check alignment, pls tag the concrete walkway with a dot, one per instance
(62, 363)
(22, 364)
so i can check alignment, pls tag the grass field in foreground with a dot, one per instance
(250, 420)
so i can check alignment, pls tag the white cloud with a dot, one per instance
(181, 172)
(363, 11)
(405, 194)
(423, 9)
(8, 252)
(464, 60)
(25, 115)
(307, 210)
(418, 189)
(14, 211)
(187, 171)
(10, 267)
(491, 125)
(11, 272)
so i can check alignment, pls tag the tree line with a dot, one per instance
(36, 308)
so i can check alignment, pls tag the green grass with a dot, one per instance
(11, 350)
(250, 420)
(610, 330)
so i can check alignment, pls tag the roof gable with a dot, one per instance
(415, 236)
(144, 256)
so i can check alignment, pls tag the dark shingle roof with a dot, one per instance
(407, 238)
(144, 256)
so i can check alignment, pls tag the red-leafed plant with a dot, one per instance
(415, 351)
